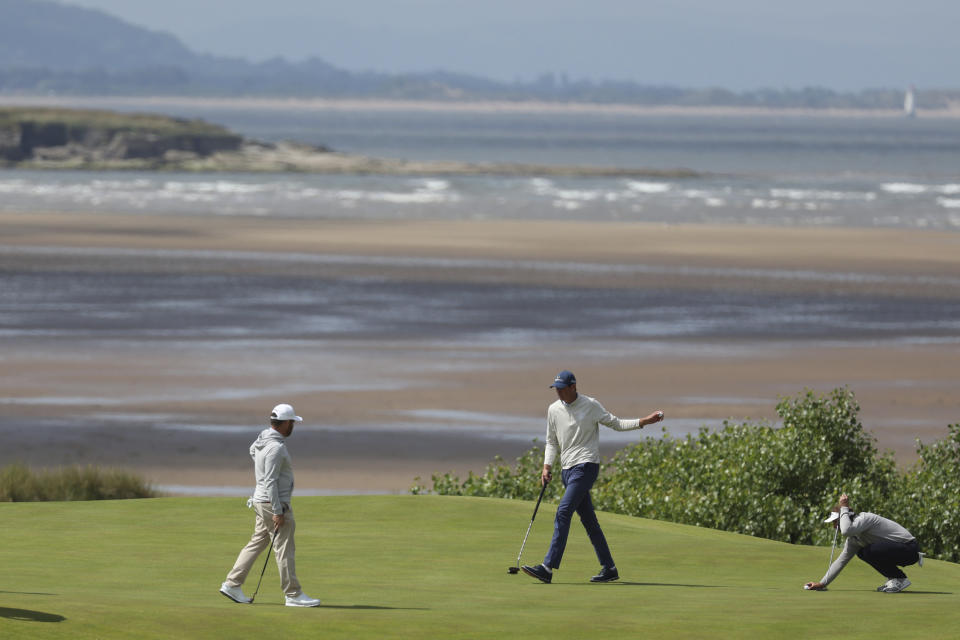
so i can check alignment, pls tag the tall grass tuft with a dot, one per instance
(18, 483)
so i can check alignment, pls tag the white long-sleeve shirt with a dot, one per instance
(273, 469)
(573, 430)
(862, 531)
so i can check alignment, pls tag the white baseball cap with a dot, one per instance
(284, 412)
(833, 516)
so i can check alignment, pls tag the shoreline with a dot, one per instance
(292, 158)
(523, 107)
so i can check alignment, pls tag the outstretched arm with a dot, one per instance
(613, 422)
(846, 554)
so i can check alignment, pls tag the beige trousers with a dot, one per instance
(283, 549)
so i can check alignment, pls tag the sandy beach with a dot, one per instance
(502, 106)
(381, 411)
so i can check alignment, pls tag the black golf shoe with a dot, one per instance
(538, 572)
(606, 575)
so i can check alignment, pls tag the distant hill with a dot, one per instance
(52, 48)
(35, 34)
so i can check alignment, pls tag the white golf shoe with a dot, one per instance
(234, 593)
(885, 585)
(302, 600)
(897, 585)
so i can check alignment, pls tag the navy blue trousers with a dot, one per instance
(885, 556)
(578, 481)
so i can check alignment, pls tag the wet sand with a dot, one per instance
(382, 411)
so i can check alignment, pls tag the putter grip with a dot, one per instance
(537, 507)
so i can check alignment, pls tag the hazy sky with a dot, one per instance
(738, 44)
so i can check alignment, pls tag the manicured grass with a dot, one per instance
(430, 567)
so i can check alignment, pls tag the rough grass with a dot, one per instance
(430, 567)
(18, 483)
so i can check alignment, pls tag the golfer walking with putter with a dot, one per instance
(274, 525)
(882, 543)
(573, 423)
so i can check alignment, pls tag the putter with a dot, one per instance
(836, 530)
(266, 560)
(516, 569)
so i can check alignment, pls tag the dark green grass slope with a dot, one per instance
(429, 567)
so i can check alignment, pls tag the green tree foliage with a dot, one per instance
(761, 480)
(930, 499)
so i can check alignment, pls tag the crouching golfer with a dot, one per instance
(881, 543)
(573, 430)
(274, 517)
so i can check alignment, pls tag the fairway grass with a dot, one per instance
(431, 567)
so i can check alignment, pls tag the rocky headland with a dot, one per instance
(55, 138)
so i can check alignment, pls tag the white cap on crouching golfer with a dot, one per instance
(284, 412)
(834, 515)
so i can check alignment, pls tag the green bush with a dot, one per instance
(761, 480)
(520, 482)
(929, 503)
(19, 484)
(754, 478)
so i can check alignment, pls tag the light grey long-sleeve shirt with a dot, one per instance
(861, 531)
(273, 469)
(573, 430)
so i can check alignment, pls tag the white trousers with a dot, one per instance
(283, 548)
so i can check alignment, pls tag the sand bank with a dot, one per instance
(904, 261)
(380, 412)
(526, 106)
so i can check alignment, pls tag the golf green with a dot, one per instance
(430, 567)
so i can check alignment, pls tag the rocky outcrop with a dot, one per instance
(78, 137)
(26, 141)
(97, 140)
(10, 144)
(295, 157)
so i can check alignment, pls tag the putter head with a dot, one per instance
(513, 570)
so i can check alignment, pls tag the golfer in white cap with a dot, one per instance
(271, 501)
(882, 543)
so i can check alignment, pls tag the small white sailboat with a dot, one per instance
(910, 103)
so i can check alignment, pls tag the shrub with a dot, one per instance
(19, 484)
(761, 480)
(520, 482)
(753, 478)
(930, 498)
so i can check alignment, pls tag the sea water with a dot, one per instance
(773, 170)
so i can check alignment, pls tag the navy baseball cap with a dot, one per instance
(564, 379)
